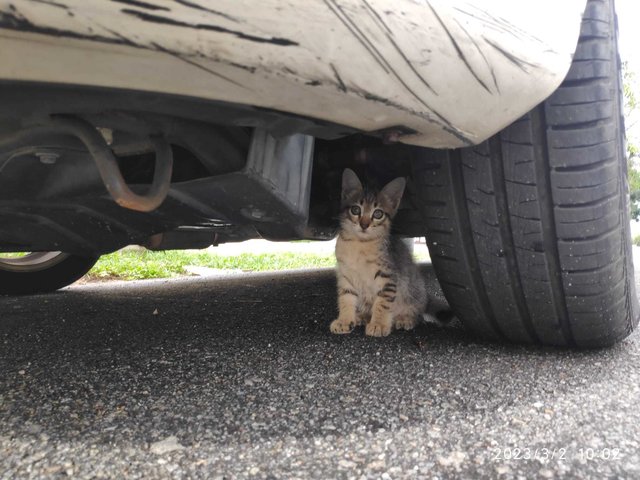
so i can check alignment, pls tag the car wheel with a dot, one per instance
(40, 272)
(529, 232)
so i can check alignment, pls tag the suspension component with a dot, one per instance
(106, 161)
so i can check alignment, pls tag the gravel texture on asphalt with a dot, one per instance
(239, 377)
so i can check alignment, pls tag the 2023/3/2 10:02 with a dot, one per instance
(559, 454)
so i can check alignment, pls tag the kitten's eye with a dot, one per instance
(378, 214)
(355, 210)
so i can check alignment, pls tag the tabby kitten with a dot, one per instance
(378, 284)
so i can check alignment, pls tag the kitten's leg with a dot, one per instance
(407, 320)
(347, 302)
(415, 303)
(382, 316)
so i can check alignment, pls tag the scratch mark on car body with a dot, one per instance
(434, 117)
(518, 62)
(283, 42)
(472, 40)
(440, 121)
(458, 50)
(498, 24)
(341, 85)
(52, 4)
(139, 4)
(339, 13)
(376, 16)
(243, 67)
(160, 48)
(196, 6)
(389, 36)
(125, 40)
(16, 22)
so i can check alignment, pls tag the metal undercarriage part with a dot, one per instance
(268, 196)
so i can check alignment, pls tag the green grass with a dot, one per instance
(145, 264)
(636, 240)
(138, 265)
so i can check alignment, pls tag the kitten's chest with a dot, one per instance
(359, 261)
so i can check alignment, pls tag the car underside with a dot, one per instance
(183, 127)
(258, 131)
(227, 182)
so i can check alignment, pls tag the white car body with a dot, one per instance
(427, 72)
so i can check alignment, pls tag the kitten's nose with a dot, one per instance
(364, 224)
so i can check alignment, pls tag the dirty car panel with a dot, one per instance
(437, 73)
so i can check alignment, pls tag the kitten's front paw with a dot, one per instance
(341, 326)
(378, 329)
(405, 322)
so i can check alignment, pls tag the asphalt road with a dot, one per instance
(240, 377)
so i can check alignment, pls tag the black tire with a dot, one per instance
(46, 277)
(529, 231)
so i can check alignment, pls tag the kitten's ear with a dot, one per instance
(391, 195)
(351, 186)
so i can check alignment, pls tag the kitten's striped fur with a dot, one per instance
(378, 284)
